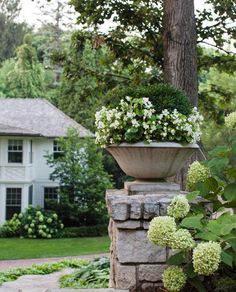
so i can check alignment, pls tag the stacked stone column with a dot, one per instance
(136, 263)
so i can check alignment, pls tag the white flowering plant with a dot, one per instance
(200, 227)
(33, 223)
(136, 119)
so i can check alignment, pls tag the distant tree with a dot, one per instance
(57, 17)
(12, 32)
(26, 79)
(82, 181)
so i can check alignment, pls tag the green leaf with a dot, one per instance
(227, 258)
(189, 270)
(176, 259)
(207, 236)
(220, 151)
(230, 192)
(196, 283)
(192, 196)
(192, 222)
(209, 188)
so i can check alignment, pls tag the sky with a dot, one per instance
(29, 12)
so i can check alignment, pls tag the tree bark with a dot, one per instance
(180, 58)
(180, 47)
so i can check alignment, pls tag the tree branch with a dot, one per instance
(217, 47)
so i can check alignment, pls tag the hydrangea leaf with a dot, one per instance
(193, 222)
(227, 258)
(196, 283)
(176, 259)
(230, 192)
(192, 196)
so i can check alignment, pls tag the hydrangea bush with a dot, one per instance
(202, 235)
(136, 119)
(34, 223)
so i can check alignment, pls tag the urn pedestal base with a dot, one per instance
(136, 263)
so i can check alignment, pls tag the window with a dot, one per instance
(50, 194)
(15, 151)
(57, 151)
(31, 152)
(30, 198)
(13, 202)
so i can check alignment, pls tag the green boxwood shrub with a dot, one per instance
(86, 231)
(163, 96)
(33, 223)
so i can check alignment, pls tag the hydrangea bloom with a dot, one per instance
(196, 173)
(182, 240)
(161, 230)
(179, 207)
(230, 121)
(206, 258)
(135, 119)
(174, 279)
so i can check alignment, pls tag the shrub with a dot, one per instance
(33, 223)
(204, 241)
(162, 96)
(86, 231)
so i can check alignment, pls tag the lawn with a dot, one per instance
(14, 248)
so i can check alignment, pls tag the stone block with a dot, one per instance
(120, 211)
(134, 247)
(128, 224)
(146, 224)
(147, 187)
(151, 206)
(136, 207)
(147, 287)
(118, 207)
(164, 203)
(151, 273)
(125, 277)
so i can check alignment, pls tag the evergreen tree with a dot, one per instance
(12, 32)
(26, 79)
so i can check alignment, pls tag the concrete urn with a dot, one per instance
(154, 161)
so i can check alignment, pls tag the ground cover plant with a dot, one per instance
(92, 275)
(203, 234)
(16, 248)
(48, 268)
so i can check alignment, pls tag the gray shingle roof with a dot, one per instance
(35, 117)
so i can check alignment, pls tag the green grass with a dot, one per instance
(14, 248)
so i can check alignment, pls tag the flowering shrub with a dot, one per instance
(136, 119)
(206, 258)
(203, 239)
(174, 279)
(197, 173)
(33, 223)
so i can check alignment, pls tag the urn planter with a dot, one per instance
(154, 161)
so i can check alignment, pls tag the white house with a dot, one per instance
(28, 128)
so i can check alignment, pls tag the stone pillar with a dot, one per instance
(136, 263)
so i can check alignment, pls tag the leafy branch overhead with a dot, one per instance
(141, 22)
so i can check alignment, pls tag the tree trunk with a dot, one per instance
(180, 57)
(180, 47)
